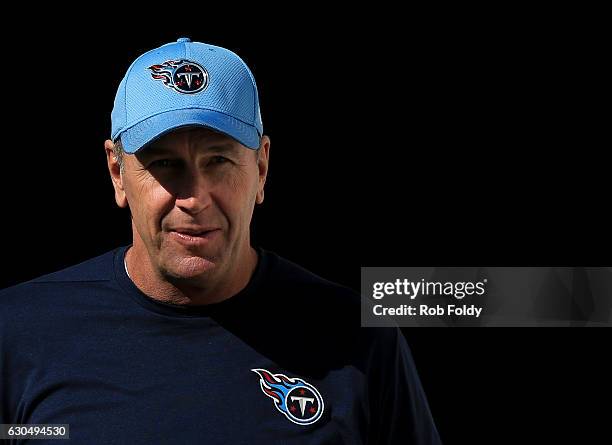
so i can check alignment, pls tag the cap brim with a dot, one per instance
(152, 128)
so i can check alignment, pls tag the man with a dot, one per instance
(191, 335)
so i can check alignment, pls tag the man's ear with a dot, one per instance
(262, 166)
(114, 169)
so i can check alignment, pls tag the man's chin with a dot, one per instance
(194, 266)
(186, 266)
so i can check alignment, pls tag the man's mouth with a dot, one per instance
(194, 236)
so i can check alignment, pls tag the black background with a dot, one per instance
(437, 138)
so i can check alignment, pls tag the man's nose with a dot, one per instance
(194, 195)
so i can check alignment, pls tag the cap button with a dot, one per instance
(184, 40)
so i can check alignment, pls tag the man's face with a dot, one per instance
(191, 195)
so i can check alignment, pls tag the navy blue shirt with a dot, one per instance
(284, 361)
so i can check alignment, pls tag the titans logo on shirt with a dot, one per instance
(298, 400)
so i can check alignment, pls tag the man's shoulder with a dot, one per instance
(98, 268)
(328, 311)
(37, 304)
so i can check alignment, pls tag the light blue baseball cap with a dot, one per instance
(183, 84)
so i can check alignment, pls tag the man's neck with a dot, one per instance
(221, 285)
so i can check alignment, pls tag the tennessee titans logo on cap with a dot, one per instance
(181, 75)
(299, 401)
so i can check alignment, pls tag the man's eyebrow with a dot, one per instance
(153, 150)
(223, 148)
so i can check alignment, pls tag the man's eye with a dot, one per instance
(164, 163)
(219, 160)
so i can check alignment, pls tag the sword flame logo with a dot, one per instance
(296, 399)
(181, 75)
